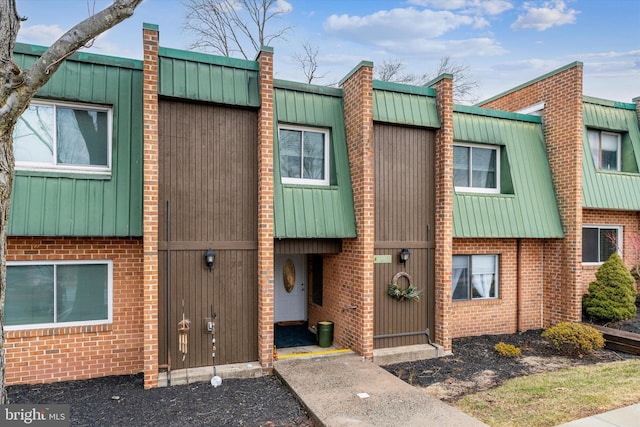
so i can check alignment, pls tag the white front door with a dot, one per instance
(290, 287)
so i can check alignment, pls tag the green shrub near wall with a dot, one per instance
(612, 295)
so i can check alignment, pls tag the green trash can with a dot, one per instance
(325, 333)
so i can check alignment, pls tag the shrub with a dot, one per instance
(507, 350)
(612, 296)
(574, 338)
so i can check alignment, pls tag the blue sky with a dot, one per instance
(504, 42)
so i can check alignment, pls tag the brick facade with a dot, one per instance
(348, 276)
(561, 93)
(444, 212)
(266, 298)
(80, 352)
(519, 305)
(150, 205)
(630, 222)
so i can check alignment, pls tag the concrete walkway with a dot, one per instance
(344, 390)
(628, 416)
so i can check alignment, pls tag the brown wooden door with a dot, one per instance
(404, 218)
(208, 199)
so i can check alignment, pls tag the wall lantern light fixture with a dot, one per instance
(209, 258)
(404, 255)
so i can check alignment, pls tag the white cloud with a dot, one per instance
(454, 48)
(551, 14)
(480, 7)
(611, 54)
(283, 6)
(397, 24)
(43, 35)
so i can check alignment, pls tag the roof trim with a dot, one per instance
(530, 82)
(609, 103)
(148, 26)
(309, 88)
(206, 58)
(496, 113)
(402, 88)
(93, 58)
(442, 76)
(353, 71)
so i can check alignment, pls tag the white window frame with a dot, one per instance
(109, 318)
(496, 273)
(619, 243)
(54, 166)
(480, 189)
(327, 151)
(618, 154)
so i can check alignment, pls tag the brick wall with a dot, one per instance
(444, 212)
(630, 222)
(517, 307)
(561, 93)
(72, 353)
(348, 276)
(150, 204)
(265, 212)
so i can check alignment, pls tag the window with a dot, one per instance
(304, 155)
(475, 277)
(605, 149)
(476, 168)
(60, 293)
(599, 242)
(68, 137)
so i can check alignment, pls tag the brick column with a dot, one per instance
(358, 116)
(561, 92)
(636, 100)
(265, 211)
(444, 210)
(150, 204)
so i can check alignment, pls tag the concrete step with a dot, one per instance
(409, 353)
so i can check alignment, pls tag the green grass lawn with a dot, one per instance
(557, 397)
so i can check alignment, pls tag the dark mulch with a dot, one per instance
(119, 401)
(476, 366)
(122, 401)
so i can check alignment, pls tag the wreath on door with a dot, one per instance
(289, 275)
(409, 293)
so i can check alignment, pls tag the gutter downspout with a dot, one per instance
(519, 285)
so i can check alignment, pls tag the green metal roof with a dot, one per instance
(75, 204)
(210, 78)
(405, 104)
(530, 211)
(606, 189)
(313, 211)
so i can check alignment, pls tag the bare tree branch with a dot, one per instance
(309, 62)
(464, 85)
(233, 27)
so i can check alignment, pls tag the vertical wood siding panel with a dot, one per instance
(208, 171)
(404, 184)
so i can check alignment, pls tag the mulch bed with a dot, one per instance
(476, 366)
(121, 400)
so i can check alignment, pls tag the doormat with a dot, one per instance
(297, 335)
(292, 323)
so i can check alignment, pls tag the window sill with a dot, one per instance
(311, 186)
(98, 176)
(486, 301)
(483, 194)
(59, 330)
(612, 172)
